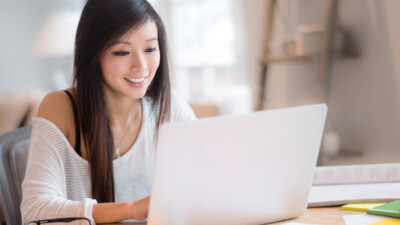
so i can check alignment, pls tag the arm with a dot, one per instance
(44, 195)
(114, 212)
(44, 186)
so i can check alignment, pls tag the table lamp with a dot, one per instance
(56, 38)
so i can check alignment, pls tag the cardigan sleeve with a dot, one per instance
(44, 187)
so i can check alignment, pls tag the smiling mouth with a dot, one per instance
(135, 80)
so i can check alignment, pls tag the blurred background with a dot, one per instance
(238, 56)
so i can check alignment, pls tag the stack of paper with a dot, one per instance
(339, 185)
(364, 219)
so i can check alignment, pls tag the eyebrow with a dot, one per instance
(128, 43)
(152, 39)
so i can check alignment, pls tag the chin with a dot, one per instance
(137, 95)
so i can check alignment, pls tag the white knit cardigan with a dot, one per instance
(57, 180)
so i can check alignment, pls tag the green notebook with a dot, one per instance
(391, 209)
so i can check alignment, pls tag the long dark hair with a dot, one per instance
(102, 22)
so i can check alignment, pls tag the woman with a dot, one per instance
(93, 146)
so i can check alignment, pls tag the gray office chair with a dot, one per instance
(14, 148)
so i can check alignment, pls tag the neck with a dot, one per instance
(121, 111)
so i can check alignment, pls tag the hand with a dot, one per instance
(140, 208)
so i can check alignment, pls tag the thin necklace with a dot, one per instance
(126, 132)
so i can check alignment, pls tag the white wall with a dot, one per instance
(20, 20)
(364, 92)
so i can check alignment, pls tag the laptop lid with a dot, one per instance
(247, 169)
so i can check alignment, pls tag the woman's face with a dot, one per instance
(129, 65)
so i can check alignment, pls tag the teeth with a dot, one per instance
(139, 80)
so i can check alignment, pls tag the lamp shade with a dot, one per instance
(57, 36)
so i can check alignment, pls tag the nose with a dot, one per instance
(138, 62)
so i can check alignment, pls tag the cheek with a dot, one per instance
(154, 62)
(111, 68)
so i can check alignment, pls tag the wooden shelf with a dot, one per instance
(324, 58)
(288, 58)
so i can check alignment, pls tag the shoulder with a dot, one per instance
(180, 109)
(57, 108)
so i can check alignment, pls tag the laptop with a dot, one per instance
(245, 169)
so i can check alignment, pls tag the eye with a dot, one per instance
(121, 53)
(151, 49)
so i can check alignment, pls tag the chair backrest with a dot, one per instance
(14, 148)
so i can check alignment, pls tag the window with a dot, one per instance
(204, 47)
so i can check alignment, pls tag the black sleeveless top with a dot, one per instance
(77, 126)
